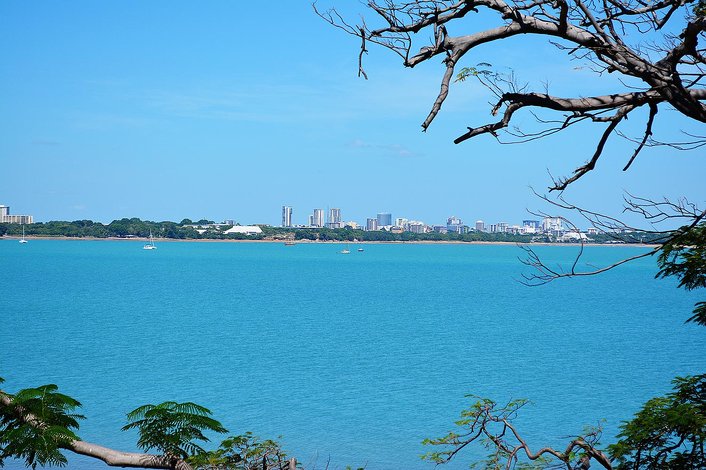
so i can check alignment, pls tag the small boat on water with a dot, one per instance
(150, 245)
(360, 248)
(346, 250)
(289, 243)
(22, 240)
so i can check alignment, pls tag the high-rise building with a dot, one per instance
(384, 219)
(417, 227)
(4, 210)
(318, 218)
(334, 218)
(480, 226)
(371, 224)
(311, 221)
(455, 225)
(286, 216)
(551, 224)
(401, 222)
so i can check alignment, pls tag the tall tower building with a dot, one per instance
(4, 210)
(334, 218)
(318, 218)
(480, 226)
(551, 224)
(384, 219)
(372, 224)
(286, 216)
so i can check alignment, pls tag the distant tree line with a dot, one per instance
(122, 228)
(185, 230)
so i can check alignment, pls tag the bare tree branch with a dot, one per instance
(486, 421)
(670, 67)
(648, 133)
(687, 214)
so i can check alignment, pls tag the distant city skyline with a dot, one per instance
(383, 220)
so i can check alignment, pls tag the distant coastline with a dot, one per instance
(205, 230)
(328, 242)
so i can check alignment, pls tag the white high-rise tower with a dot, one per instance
(318, 218)
(286, 216)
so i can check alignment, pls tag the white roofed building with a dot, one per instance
(245, 229)
(569, 237)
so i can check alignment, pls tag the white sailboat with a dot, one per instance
(346, 250)
(150, 245)
(22, 240)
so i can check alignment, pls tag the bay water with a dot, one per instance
(351, 359)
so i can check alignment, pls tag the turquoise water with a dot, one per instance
(350, 358)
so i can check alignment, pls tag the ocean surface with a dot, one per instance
(351, 359)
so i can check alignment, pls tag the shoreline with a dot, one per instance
(328, 242)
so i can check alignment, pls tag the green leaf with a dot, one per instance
(243, 451)
(38, 441)
(668, 432)
(172, 428)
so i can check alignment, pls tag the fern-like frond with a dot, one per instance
(36, 423)
(172, 428)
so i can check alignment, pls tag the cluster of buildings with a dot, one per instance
(552, 226)
(316, 219)
(332, 219)
(7, 218)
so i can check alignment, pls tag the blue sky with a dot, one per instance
(166, 109)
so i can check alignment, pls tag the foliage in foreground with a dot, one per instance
(669, 432)
(491, 425)
(37, 440)
(38, 424)
(243, 452)
(172, 428)
(685, 258)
